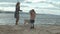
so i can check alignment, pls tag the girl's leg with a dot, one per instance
(32, 25)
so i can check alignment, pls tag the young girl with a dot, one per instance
(32, 18)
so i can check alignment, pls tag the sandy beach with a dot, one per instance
(21, 29)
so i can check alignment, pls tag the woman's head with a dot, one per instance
(18, 3)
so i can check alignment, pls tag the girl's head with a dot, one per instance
(32, 11)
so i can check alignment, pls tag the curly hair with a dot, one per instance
(32, 10)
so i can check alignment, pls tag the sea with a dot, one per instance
(47, 12)
(41, 19)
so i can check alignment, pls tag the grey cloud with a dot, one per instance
(11, 0)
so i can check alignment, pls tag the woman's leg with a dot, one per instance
(17, 21)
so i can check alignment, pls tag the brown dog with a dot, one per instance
(26, 22)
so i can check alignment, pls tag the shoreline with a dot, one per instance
(21, 29)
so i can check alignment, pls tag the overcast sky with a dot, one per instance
(41, 6)
(29, 0)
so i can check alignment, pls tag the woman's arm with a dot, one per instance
(19, 9)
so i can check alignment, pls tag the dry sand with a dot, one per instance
(19, 29)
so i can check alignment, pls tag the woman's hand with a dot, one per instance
(20, 10)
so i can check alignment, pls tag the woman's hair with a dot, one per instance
(17, 3)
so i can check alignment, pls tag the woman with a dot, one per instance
(32, 18)
(17, 12)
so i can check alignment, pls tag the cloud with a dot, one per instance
(14, 1)
(34, 0)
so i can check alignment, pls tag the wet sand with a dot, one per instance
(19, 29)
